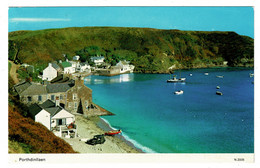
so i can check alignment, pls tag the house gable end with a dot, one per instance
(63, 114)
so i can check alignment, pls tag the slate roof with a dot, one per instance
(20, 87)
(53, 110)
(27, 88)
(58, 87)
(97, 57)
(48, 105)
(34, 109)
(34, 89)
(55, 66)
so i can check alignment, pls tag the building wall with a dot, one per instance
(43, 117)
(61, 96)
(34, 98)
(69, 70)
(49, 73)
(63, 114)
(79, 94)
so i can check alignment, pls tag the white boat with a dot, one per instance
(251, 75)
(174, 79)
(178, 92)
(220, 76)
(206, 73)
(190, 74)
(218, 87)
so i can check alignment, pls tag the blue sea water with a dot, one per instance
(199, 121)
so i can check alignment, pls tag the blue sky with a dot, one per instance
(238, 19)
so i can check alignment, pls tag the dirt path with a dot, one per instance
(13, 73)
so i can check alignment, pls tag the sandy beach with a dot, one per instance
(86, 129)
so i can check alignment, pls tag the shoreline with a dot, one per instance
(105, 125)
(187, 69)
(87, 128)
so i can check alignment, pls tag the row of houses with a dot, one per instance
(66, 67)
(56, 104)
(69, 95)
(70, 67)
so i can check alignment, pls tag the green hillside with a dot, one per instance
(150, 50)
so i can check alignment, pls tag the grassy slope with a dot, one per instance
(27, 136)
(152, 49)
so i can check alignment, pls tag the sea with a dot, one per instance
(156, 120)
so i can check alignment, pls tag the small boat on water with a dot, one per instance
(206, 73)
(190, 74)
(219, 93)
(251, 75)
(174, 80)
(218, 87)
(178, 92)
(220, 76)
(113, 132)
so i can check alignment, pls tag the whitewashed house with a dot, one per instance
(55, 118)
(98, 60)
(76, 58)
(125, 67)
(51, 72)
(73, 64)
(68, 68)
(83, 67)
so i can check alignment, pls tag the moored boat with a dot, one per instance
(113, 132)
(219, 93)
(220, 76)
(206, 73)
(178, 92)
(218, 87)
(174, 79)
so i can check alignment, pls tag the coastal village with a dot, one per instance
(61, 100)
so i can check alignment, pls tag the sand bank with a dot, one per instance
(87, 128)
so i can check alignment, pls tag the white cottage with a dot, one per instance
(55, 118)
(125, 67)
(68, 68)
(51, 72)
(98, 60)
(76, 57)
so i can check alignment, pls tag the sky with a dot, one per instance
(237, 19)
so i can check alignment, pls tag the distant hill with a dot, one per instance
(150, 50)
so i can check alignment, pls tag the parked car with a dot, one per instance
(97, 139)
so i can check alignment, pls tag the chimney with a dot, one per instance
(79, 81)
(50, 64)
(57, 101)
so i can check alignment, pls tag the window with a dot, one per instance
(61, 96)
(61, 121)
(52, 97)
(70, 104)
(75, 105)
(74, 96)
(39, 98)
(29, 98)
